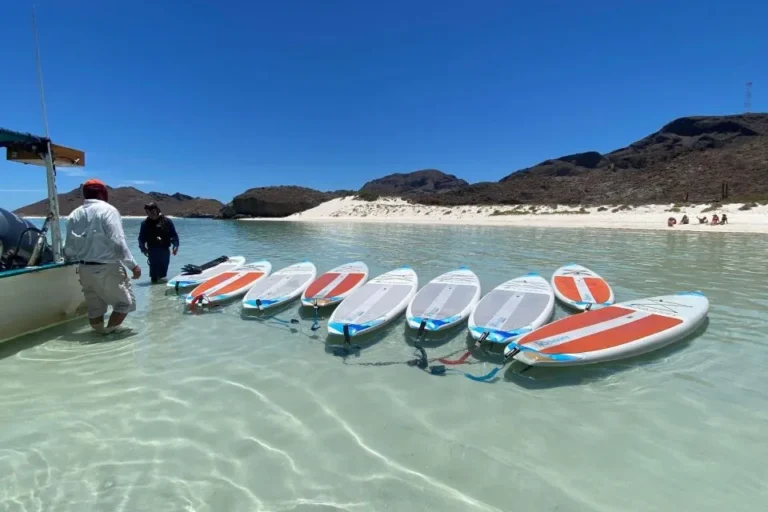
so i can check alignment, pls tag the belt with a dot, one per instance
(91, 263)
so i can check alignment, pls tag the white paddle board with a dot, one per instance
(513, 308)
(445, 301)
(580, 288)
(615, 332)
(375, 304)
(283, 286)
(335, 285)
(231, 284)
(187, 280)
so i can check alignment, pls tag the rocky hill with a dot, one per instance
(419, 182)
(275, 201)
(688, 159)
(131, 201)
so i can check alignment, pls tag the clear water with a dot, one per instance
(214, 412)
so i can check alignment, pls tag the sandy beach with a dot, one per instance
(349, 209)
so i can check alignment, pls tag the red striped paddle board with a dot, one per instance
(580, 288)
(335, 285)
(615, 332)
(229, 285)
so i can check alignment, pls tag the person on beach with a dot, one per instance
(715, 220)
(684, 220)
(96, 241)
(724, 220)
(156, 237)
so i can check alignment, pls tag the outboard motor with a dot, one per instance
(18, 238)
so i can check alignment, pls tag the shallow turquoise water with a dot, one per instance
(213, 412)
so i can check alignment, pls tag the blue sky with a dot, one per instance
(212, 98)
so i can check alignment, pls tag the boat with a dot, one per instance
(38, 288)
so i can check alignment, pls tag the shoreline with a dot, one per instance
(646, 217)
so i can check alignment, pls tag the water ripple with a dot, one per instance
(214, 412)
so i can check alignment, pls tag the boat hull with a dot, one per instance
(38, 298)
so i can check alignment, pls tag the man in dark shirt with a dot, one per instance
(156, 236)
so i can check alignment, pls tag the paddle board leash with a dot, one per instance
(274, 317)
(463, 359)
(316, 320)
(199, 301)
(491, 374)
(348, 348)
(422, 327)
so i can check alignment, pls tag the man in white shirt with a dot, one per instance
(95, 239)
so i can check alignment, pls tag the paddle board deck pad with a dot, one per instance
(512, 309)
(615, 332)
(231, 284)
(445, 301)
(375, 304)
(335, 285)
(580, 288)
(283, 286)
(187, 280)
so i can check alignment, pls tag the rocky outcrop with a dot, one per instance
(418, 182)
(131, 201)
(273, 202)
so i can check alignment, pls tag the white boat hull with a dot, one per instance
(38, 298)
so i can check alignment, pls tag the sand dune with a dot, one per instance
(349, 209)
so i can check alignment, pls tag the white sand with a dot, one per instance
(349, 209)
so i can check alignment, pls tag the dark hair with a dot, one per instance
(95, 191)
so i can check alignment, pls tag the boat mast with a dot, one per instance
(50, 169)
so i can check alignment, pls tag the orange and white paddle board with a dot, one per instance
(615, 332)
(231, 284)
(580, 288)
(335, 285)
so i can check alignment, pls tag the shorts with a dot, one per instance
(106, 285)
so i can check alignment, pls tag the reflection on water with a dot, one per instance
(215, 411)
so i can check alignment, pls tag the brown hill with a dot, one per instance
(425, 181)
(131, 201)
(688, 159)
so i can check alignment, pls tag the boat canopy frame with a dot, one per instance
(30, 149)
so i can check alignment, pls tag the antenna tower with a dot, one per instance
(748, 98)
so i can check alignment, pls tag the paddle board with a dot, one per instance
(615, 332)
(187, 280)
(283, 286)
(376, 303)
(231, 284)
(580, 288)
(335, 285)
(445, 301)
(513, 308)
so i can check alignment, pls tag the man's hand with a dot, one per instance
(175, 250)
(145, 252)
(136, 272)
